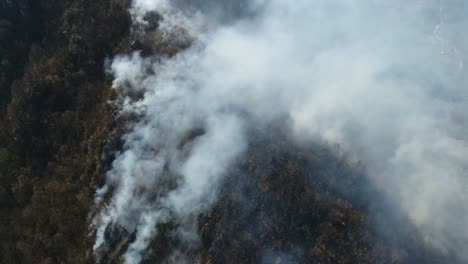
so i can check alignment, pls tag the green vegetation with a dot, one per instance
(54, 123)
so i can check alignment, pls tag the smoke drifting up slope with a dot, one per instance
(382, 80)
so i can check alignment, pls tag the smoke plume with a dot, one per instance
(384, 80)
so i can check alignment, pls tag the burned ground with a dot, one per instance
(285, 203)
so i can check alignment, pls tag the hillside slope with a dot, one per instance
(283, 201)
(55, 121)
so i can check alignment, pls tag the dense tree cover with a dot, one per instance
(291, 204)
(54, 123)
(284, 203)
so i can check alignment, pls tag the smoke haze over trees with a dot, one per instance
(261, 131)
(338, 73)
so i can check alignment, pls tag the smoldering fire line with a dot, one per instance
(366, 76)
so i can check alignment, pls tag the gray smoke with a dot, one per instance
(382, 79)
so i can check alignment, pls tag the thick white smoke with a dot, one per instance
(383, 79)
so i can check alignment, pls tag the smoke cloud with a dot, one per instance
(385, 80)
